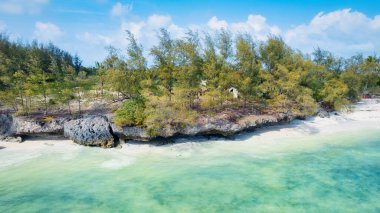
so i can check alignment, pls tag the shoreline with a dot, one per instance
(366, 114)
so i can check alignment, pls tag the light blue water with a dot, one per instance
(337, 172)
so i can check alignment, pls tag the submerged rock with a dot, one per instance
(90, 131)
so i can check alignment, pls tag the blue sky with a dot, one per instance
(345, 27)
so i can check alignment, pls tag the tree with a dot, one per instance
(165, 61)
(81, 86)
(274, 52)
(190, 64)
(211, 66)
(136, 60)
(39, 78)
(350, 78)
(136, 65)
(327, 59)
(248, 65)
(334, 94)
(77, 63)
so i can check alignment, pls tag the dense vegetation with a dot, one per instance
(188, 77)
(36, 77)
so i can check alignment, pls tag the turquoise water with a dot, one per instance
(337, 172)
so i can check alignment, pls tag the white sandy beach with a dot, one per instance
(276, 139)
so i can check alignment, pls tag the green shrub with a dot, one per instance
(131, 113)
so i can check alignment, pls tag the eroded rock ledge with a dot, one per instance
(90, 131)
(98, 130)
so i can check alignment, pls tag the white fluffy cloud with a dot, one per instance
(145, 31)
(215, 24)
(255, 25)
(21, 6)
(344, 32)
(119, 9)
(47, 32)
(94, 38)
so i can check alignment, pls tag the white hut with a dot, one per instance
(234, 92)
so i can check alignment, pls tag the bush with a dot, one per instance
(334, 94)
(163, 116)
(131, 113)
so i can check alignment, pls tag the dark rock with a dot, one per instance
(6, 126)
(6, 122)
(131, 133)
(90, 131)
(11, 139)
(323, 113)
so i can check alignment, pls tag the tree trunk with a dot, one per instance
(79, 107)
(69, 107)
(45, 103)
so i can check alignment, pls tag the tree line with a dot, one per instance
(192, 76)
(36, 77)
(188, 77)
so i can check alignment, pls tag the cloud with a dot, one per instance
(119, 9)
(47, 32)
(215, 24)
(145, 32)
(22, 6)
(344, 32)
(255, 25)
(94, 38)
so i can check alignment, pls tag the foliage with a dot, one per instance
(334, 94)
(36, 77)
(189, 77)
(162, 114)
(131, 113)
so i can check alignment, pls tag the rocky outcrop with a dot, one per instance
(206, 126)
(99, 131)
(227, 128)
(131, 133)
(90, 131)
(29, 126)
(6, 125)
(6, 122)
(323, 113)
